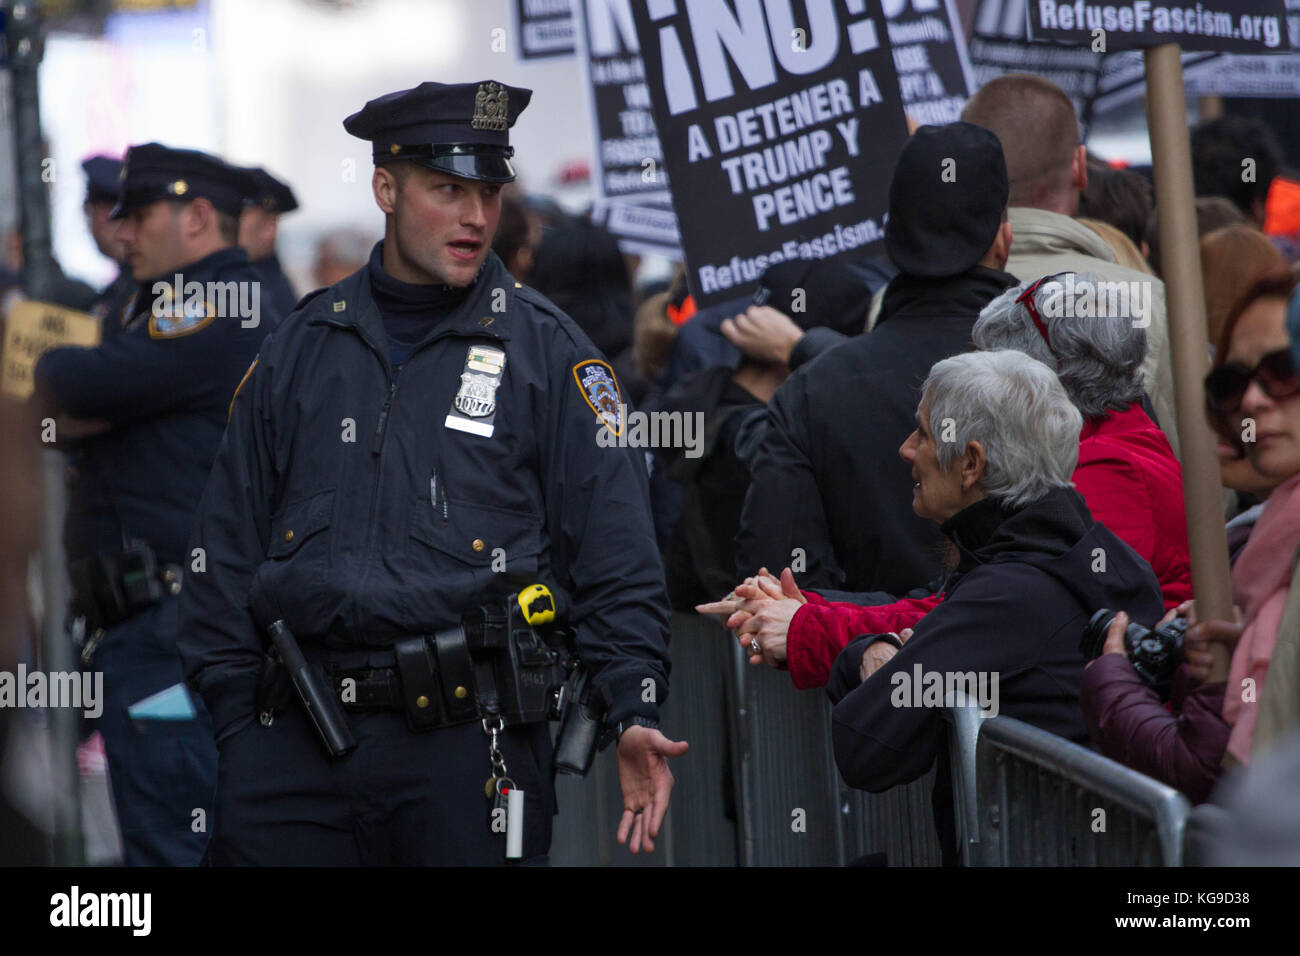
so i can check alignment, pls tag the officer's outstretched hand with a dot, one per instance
(646, 781)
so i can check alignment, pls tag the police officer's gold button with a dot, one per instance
(422, 702)
(478, 544)
(288, 535)
(460, 692)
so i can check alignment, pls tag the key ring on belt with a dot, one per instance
(492, 726)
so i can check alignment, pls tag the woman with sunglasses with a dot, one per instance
(1253, 391)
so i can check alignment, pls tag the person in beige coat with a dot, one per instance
(1047, 167)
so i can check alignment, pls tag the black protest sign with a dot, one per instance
(930, 57)
(544, 28)
(628, 162)
(781, 122)
(1237, 26)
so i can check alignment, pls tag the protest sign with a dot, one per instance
(31, 328)
(631, 187)
(1235, 26)
(544, 28)
(934, 76)
(781, 123)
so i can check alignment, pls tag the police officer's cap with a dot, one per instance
(153, 172)
(457, 128)
(102, 178)
(268, 192)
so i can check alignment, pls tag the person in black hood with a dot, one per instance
(819, 295)
(825, 497)
(580, 268)
(995, 444)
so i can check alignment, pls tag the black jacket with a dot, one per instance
(342, 497)
(1027, 582)
(713, 480)
(164, 384)
(277, 291)
(827, 484)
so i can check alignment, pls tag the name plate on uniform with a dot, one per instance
(474, 408)
(33, 327)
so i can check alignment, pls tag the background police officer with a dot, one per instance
(259, 225)
(151, 402)
(410, 438)
(103, 176)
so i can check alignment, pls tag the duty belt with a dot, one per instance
(432, 682)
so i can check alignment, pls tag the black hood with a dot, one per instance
(1057, 534)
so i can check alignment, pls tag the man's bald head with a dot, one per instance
(1036, 120)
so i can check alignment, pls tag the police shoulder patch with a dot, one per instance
(600, 390)
(171, 323)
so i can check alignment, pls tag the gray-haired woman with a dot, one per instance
(992, 457)
(1091, 332)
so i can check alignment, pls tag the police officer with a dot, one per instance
(258, 225)
(150, 404)
(103, 175)
(409, 438)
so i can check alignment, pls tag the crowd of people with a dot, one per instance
(978, 551)
(949, 457)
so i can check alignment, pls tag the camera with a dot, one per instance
(1154, 653)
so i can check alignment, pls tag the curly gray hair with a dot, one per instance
(1097, 352)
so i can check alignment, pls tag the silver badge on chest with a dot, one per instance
(474, 407)
(478, 394)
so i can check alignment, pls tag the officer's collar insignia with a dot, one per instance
(600, 389)
(490, 107)
(179, 188)
(340, 306)
(486, 321)
(165, 323)
(474, 407)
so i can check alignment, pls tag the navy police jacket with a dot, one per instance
(163, 383)
(363, 507)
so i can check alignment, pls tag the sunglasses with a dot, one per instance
(1226, 385)
(1026, 299)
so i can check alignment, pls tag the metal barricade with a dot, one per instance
(1044, 801)
(788, 791)
(894, 828)
(700, 828)
(963, 736)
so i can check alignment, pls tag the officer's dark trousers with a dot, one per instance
(399, 799)
(163, 772)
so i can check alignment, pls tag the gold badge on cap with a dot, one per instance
(490, 107)
(178, 188)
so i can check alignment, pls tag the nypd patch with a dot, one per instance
(600, 389)
(170, 322)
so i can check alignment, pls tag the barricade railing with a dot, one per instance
(1041, 800)
(759, 787)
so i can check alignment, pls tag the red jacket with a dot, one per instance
(1132, 483)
